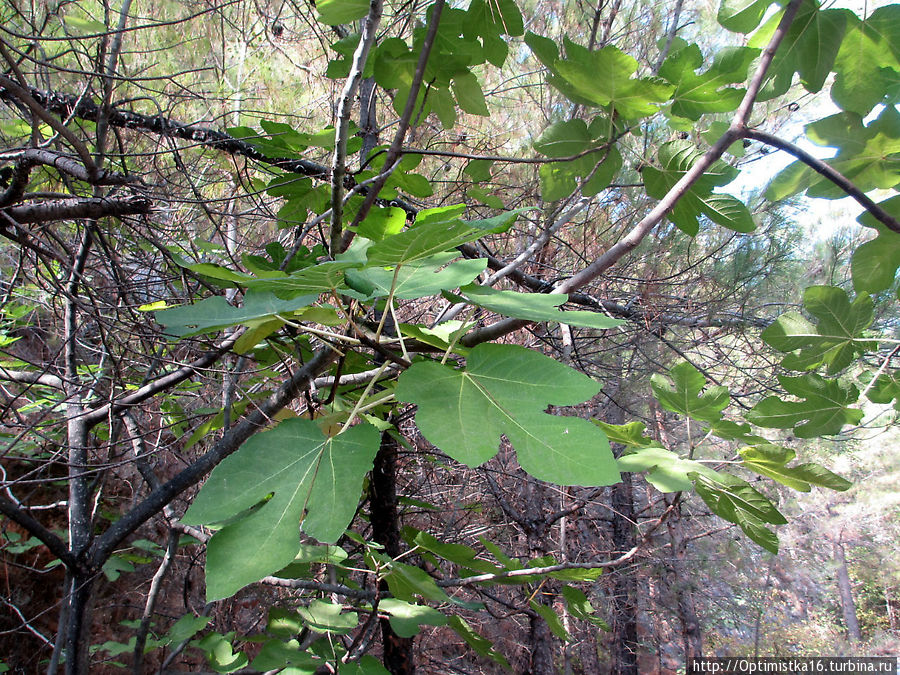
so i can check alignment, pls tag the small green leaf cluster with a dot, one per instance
(730, 497)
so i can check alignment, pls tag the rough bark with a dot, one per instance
(845, 590)
(71, 209)
(682, 587)
(624, 608)
(398, 651)
(540, 639)
(624, 616)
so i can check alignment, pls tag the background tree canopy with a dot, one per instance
(357, 337)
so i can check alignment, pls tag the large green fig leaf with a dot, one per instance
(707, 92)
(685, 395)
(886, 389)
(868, 62)
(563, 139)
(874, 264)
(504, 390)
(809, 48)
(600, 78)
(419, 279)
(267, 486)
(630, 435)
(738, 502)
(823, 410)
(317, 279)
(427, 238)
(666, 471)
(834, 341)
(742, 16)
(336, 12)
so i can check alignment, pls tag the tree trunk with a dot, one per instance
(398, 651)
(79, 610)
(848, 607)
(624, 609)
(624, 616)
(539, 636)
(682, 586)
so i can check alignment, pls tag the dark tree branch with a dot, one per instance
(56, 545)
(76, 208)
(23, 95)
(28, 158)
(828, 172)
(67, 105)
(229, 443)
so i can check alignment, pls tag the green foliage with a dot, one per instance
(738, 502)
(214, 313)
(874, 264)
(532, 307)
(267, 486)
(506, 388)
(220, 654)
(576, 78)
(699, 94)
(407, 618)
(666, 471)
(609, 127)
(684, 394)
(868, 154)
(479, 644)
(675, 159)
(421, 278)
(771, 460)
(809, 48)
(823, 409)
(834, 341)
(435, 235)
(742, 16)
(335, 12)
(868, 61)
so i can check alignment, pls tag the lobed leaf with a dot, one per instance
(504, 390)
(273, 481)
(822, 411)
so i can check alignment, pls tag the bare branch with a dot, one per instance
(29, 377)
(229, 443)
(529, 571)
(77, 208)
(345, 106)
(828, 172)
(28, 158)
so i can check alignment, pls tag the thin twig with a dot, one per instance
(152, 595)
